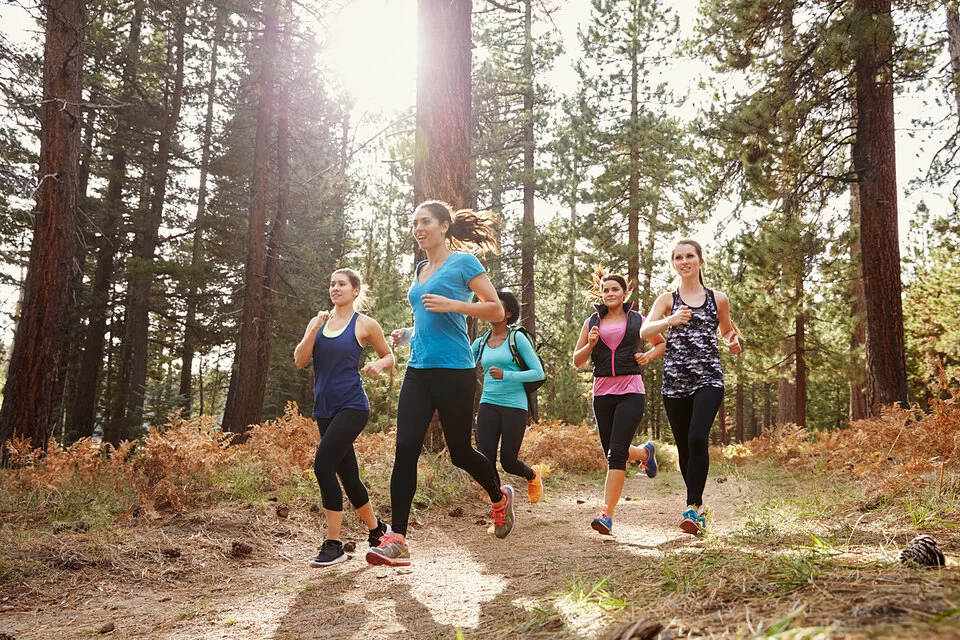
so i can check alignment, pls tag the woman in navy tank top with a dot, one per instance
(335, 341)
(692, 377)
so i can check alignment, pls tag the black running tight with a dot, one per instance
(691, 418)
(504, 426)
(451, 393)
(618, 417)
(336, 457)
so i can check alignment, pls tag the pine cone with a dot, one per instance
(241, 549)
(924, 551)
(283, 511)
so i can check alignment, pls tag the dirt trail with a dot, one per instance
(461, 576)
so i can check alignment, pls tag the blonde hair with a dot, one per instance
(469, 230)
(362, 301)
(601, 275)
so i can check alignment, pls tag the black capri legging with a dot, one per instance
(505, 426)
(618, 417)
(336, 457)
(690, 420)
(449, 392)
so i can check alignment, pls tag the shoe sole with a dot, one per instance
(691, 527)
(601, 528)
(343, 558)
(378, 560)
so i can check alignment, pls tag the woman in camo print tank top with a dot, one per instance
(692, 377)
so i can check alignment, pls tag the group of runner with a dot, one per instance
(452, 284)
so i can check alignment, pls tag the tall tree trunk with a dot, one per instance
(85, 403)
(441, 168)
(145, 244)
(528, 249)
(72, 353)
(196, 258)
(793, 385)
(953, 47)
(572, 242)
(275, 240)
(442, 165)
(767, 408)
(27, 407)
(739, 395)
(875, 162)
(245, 398)
(858, 336)
(646, 292)
(633, 202)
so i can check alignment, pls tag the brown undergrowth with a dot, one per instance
(904, 453)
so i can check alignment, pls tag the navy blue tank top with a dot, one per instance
(336, 372)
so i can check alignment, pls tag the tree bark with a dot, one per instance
(85, 403)
(874, 159)
(528, 248)
(196, 258)
(858, 336)
(245, 398)
(442, 163)
(441, 169)
(633, 202)
(953, 47)
(27, 407)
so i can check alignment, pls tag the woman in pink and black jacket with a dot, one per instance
(610, 338)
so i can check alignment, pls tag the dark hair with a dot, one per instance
(360, 303)
(699, 250)
(598, 277)
(510, 306)
(468, 228)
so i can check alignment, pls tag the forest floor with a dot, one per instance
(787, 555)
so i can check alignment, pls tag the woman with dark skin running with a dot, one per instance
(610, 339)
(441, 372)
(502, 415)
(335, 341)
(692, 376)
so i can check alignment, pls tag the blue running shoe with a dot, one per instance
(603, 523)
(650, 465)
(694, 522)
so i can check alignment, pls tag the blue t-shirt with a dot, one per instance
(509, 391)
(440, 340)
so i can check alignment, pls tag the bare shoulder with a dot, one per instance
(368, 324)
(720, 297)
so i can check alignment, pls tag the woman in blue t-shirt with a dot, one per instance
(502, 415)
(441, 372)
(336, 342)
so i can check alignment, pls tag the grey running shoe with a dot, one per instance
(391, 552)
(504, 517)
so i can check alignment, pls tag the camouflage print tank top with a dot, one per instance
(692, 360)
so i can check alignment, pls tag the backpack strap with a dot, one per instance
(483, 343)
(514, 350)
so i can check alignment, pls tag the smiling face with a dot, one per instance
(613, 293)
(428, 231)
(687, 260)
(342, 291)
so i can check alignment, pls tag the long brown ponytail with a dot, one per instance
(474, 231)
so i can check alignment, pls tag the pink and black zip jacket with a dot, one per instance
(619, 362)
